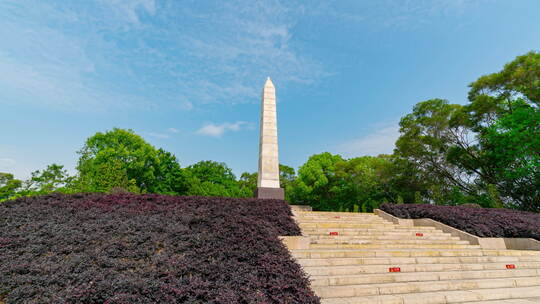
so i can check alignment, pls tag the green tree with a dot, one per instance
(106, 177)
(51, 179)
(170, 178)
(136, 156)
(427, 137)
(8, 186)
(518, 79)
(503, 111)
(210, 178)
(287, 177)
(512, 148)
(317, 184)
(404, 179)
(361, 183)
(486, 151)
(248, 182)
(121, 158)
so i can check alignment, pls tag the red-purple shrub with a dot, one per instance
(127, 248)
(478, 221)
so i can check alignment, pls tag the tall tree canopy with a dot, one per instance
(317, 184)
(486, 151)
(8, 185)
(121, 158)
(504, 110)
(210, 178)
(51, 179)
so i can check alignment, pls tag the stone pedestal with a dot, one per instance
(268, 180)
(270, 193)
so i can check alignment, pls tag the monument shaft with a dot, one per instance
(268, 179)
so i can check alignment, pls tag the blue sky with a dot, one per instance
(187, 75)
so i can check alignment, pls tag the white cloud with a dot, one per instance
(7, 163)
(240, 46)
(186, 105)
(42, 64)
(380, 141)
(128, 9)
(218, 130)
(158, 135)
(107, 52)
(173, 130)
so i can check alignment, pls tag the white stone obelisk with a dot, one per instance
(268, 179)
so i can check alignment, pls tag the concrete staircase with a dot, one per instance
(358, 258)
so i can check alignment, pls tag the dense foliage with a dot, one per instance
(8, 185)
(483, 222)
(211, 178)
(330, 182)
(127, 248)
(485, 151)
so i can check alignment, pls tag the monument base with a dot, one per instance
(270, 193)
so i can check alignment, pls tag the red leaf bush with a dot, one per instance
(127, 248)
(477, 221)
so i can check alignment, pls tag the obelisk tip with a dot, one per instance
(268, 82)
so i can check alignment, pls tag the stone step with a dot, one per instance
(511, 301)
(334, 213)
(301, 208)
(444, 297)
(376, 226)
(330, 214)
(346, 225)
(333, 216)
(340, 218)
(393, 246)
(326, 221)
(385, 237)
(431, 286)
(364, 269)
(370, 231)
(396, 277)
(391, 241)
(435, 267)
(418, 260)
(355, 253)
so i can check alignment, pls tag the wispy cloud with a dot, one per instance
(51, 58)
(158, 135)
(118, 53)
(129, 9)
(380, 141)
(147, 53)
(173, 130)
(186, 105)
(215, 130)
(411, 13)
(403, 14)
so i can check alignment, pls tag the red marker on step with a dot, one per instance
(334, 233)
(394, 269)
(510, 266)
(419, 234)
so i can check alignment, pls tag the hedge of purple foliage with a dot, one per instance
(147, 249)
(478, 221)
